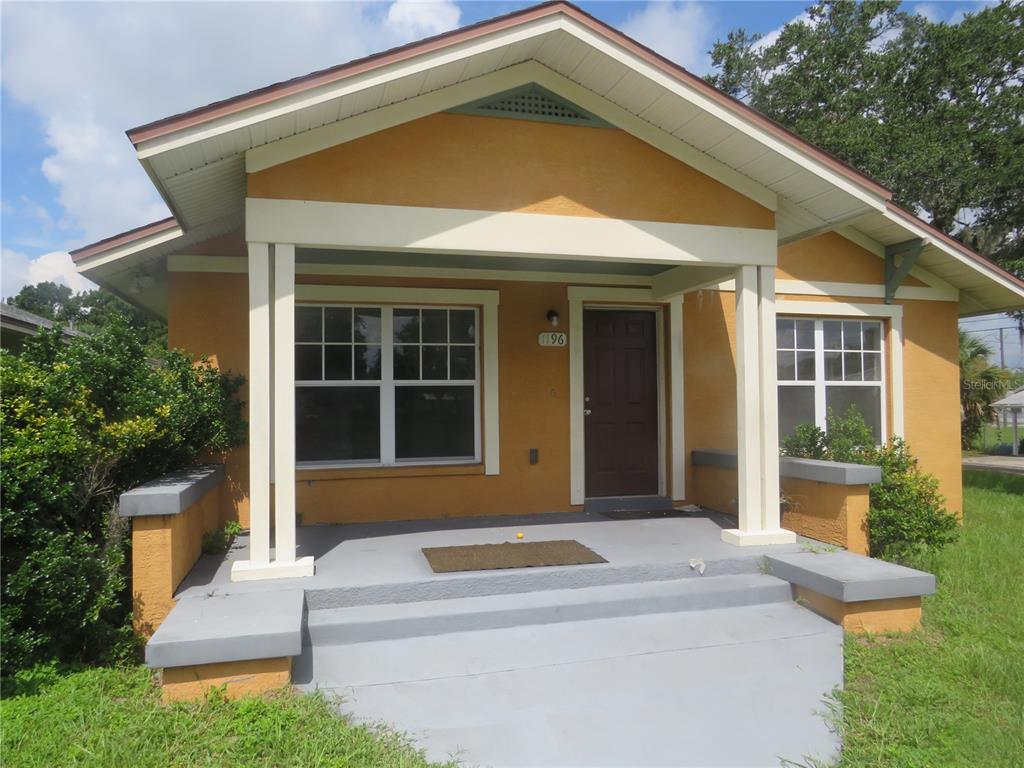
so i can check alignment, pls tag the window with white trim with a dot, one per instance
(825, 365)
(383, 385)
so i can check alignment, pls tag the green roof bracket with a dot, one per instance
(897, 273)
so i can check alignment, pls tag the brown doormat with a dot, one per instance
(488, 557)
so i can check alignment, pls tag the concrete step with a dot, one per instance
(457, 655)
(452, 586)
(394, 621)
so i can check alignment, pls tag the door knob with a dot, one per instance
(586, 411)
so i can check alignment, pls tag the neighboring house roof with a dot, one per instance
(198, 160)
(1012, 402)
(25, 323)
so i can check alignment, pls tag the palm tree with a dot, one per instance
(981, 384)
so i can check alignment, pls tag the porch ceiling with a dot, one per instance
(322, 256)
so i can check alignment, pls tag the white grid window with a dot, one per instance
(828, 365)
(386, 385)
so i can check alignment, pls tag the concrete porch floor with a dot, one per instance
(383, 562)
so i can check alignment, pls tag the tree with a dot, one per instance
(45, 299)
(89, 311)
(933, 111)
(981, 385)
(82, 420)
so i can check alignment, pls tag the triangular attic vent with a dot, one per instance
(531, 102)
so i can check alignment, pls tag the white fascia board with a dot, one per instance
(348, 85)
(128, 249)
(457, 231)
(709, 105)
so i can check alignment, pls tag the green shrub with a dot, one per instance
(907, 512)
(218, 542)
(80, 423)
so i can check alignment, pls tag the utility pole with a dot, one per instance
(1002, 350)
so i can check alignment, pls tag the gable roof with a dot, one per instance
(198, 159)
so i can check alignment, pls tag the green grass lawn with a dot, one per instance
(114, 718)
(951, 694)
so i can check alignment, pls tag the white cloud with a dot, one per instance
(415, 19)
(770, 38)
(929, 11)
(680, 31)
(91, 70)
(17, 270)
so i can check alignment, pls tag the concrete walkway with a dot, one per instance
(740, 686)
(1013, 465)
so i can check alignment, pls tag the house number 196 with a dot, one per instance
(552, 339)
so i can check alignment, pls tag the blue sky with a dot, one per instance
(75, 76)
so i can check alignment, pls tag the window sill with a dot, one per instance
(310, 474)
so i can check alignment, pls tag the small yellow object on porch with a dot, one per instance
(519, 535)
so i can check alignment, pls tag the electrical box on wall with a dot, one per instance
(534, 456)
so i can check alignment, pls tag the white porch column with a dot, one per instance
(757, 450)
(272, 359)
(259, 404)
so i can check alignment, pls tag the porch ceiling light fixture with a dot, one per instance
(553, 317)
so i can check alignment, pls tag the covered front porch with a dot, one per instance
(308, 254)
(384, 562)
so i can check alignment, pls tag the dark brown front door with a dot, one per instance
(620, 402)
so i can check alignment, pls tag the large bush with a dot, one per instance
(907, 512)
(81, 422)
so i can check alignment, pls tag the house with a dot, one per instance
(17, 324)
(1010, 408)
(531, 266)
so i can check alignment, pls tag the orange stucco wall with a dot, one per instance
(234, 679)
(898, 614)
(494, 164)
(832, 258)
(164, 549)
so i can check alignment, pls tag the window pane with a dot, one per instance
(833, 334)
(367, 361)
(307, 362)
(833, 366)
(338, 362)
(786, 366)
(435, 361)
(307, 324)
(873, 336)
(872, 366)
(463, 362)
(784, 331)
(463, 325)
(867, 400)
(805, 334)
(337, 323)
(435, 326)
(805, 366)
(434, 422)
(407, 362)
(406, 325)
(851, 334)
(367, 325)
(337, 423)
(796, 406)
(851, 366)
